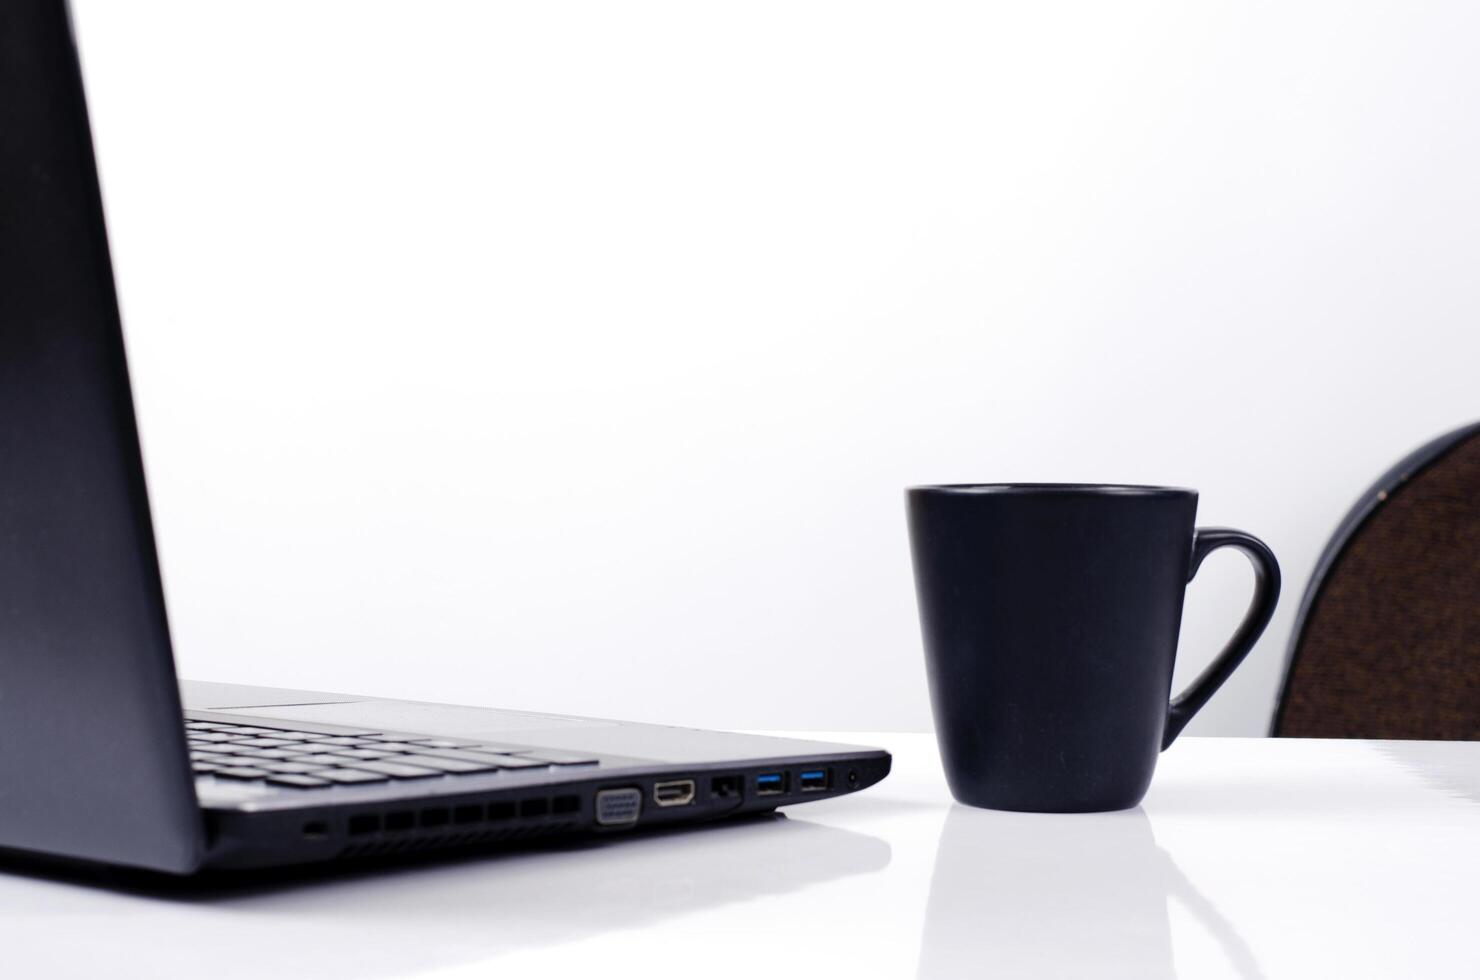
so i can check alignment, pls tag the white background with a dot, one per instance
(574, 356)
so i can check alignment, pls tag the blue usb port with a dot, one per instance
(812, 780)
(770, 784)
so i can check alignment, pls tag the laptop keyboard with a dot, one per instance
(310, 760)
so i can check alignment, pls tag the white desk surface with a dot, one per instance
(1249, 858)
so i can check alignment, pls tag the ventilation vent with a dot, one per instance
(392, 831)
(424, 841)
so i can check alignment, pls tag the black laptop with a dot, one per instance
(104, 756)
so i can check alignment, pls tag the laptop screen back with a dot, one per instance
(92, 754)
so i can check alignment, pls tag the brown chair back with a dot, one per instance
(1387, 640)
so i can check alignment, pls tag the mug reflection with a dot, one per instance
(1059, 895)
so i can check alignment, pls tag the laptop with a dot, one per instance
(104, 755)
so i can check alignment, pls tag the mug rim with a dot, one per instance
(1022, 489)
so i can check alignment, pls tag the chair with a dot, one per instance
(1387, 640)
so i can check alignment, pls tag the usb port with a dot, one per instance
(674, 792)
(770, 784)
(812, 780)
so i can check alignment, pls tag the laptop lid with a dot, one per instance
(93, 761)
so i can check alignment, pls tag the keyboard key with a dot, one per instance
(323, 759)
(241, 772)
(444, 743)
(269, 743)
(338, 731)
(278, 754)
(204, 726)
(302, 736)
(336, 740)
(447, 765)
(366, 753)
(394, 742)
(397, 770)
(203, 768)
(247, 730)
(297, 782)
(211, 737)
(291, 767)
(350, 776)
(210, 757)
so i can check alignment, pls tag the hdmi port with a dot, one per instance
(674, 792)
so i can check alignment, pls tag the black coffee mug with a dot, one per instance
(1050, 615)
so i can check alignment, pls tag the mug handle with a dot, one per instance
(1205, 541)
